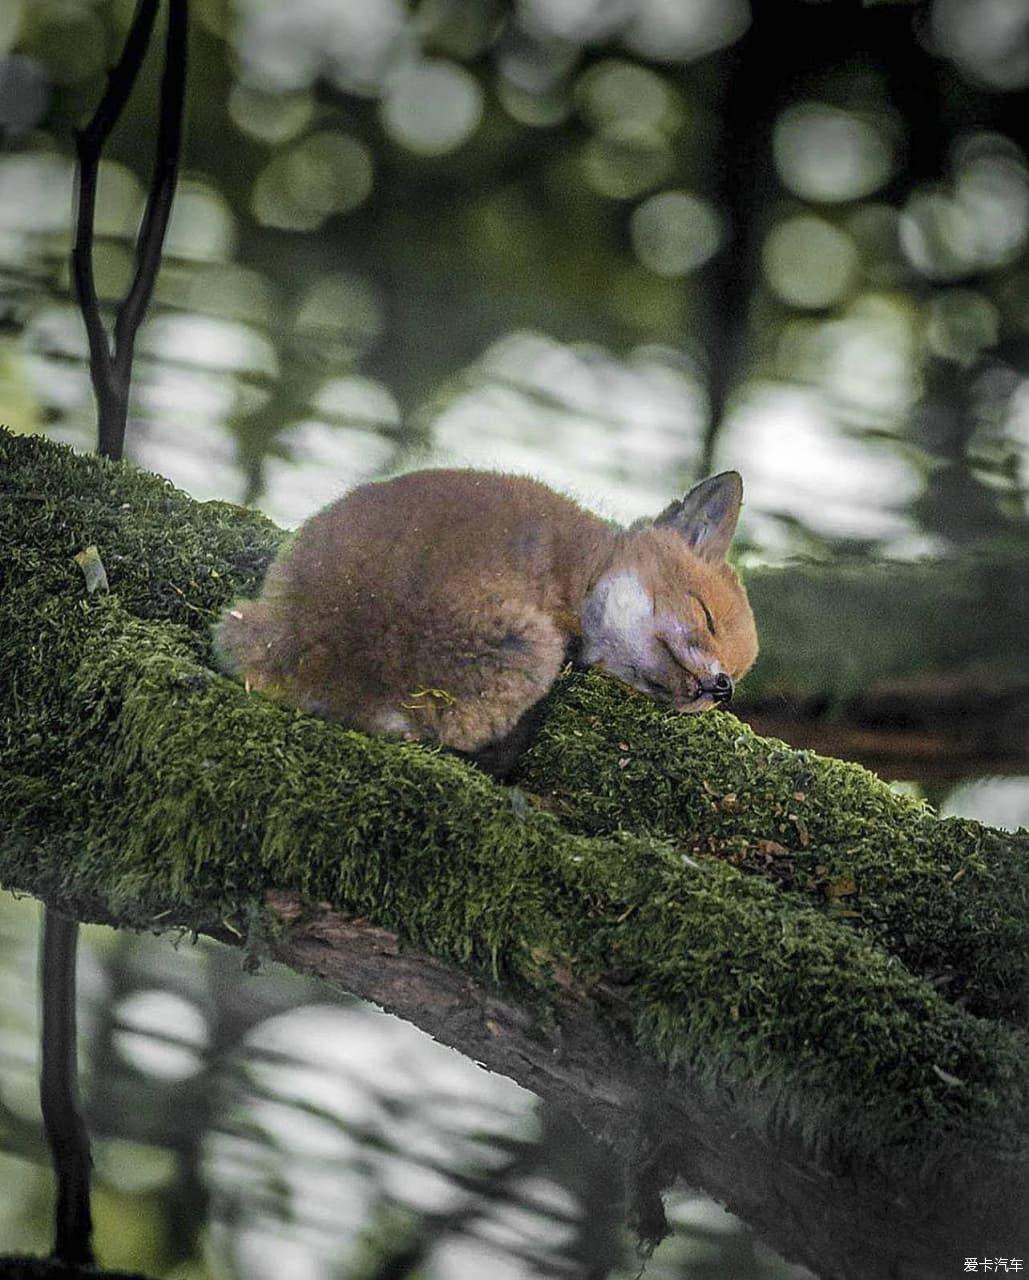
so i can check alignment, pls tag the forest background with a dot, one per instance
(617, 245)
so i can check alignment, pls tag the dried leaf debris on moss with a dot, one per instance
(134, 776)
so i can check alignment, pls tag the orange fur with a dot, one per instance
(441, 605)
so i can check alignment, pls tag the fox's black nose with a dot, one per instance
(721, 687)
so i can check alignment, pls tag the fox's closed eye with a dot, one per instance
(707, 616)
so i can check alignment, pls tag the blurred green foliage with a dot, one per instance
(612, 244)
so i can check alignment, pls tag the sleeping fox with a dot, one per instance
(441, 605)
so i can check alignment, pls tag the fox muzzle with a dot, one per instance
(720, 688)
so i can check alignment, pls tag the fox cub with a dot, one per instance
(441, 606)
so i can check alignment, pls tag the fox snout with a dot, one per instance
(713, 692)
(720, 688)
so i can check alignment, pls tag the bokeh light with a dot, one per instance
(624, 162)
(352, 43)
(308, 182)
(35, 192)
(684, 30)
(809, 263)
(826, 154)
(614, 94)
(961, 324)
(271, 117)
(341, 310)
(575, 417)
(675, 232)
(801, 464)
(989, 40)
(321, 458)
(533, 77)
(161, 1034)
(432, 106)
(978, 222)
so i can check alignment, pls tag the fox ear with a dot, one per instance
(707, 516)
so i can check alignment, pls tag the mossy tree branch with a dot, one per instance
(916, 669)
(731, 960)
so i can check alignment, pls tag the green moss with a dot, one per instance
(135, 779)
(949, 897)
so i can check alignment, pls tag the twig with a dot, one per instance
(89, 144)
(150, 242)
(111, 363)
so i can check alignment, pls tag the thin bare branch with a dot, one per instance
(111, 392)
(150, 243)
(111, 362)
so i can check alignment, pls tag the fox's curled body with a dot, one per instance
(441, 606)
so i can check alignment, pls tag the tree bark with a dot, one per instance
(734, 962)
